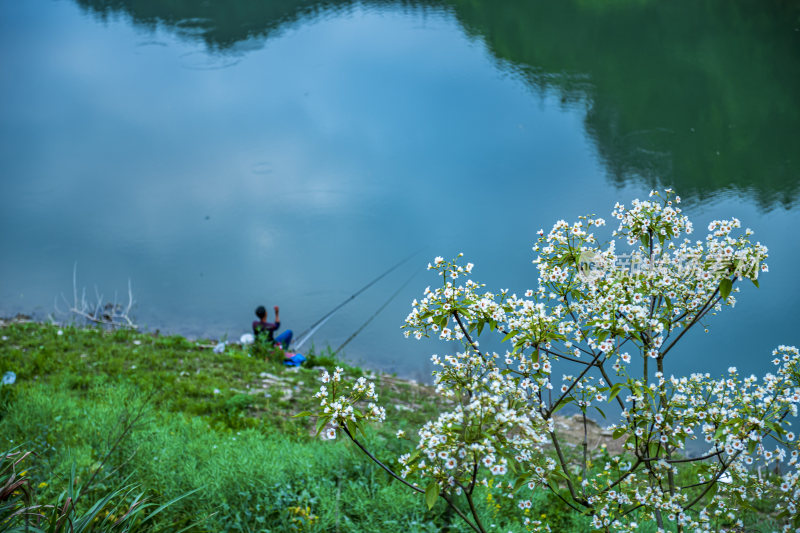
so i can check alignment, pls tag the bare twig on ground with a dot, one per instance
(112, 314)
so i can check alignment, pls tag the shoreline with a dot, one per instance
(292, 388)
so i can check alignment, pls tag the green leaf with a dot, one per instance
(561, 404)
(653, 448)
(712, 491)
(510, 334)
(755, 282)
(321, 423)
(480, 326)
(614, 391)
(512, 465)
(304, 413)
(618, 433)
(751, 446)
(645, 238)
(519, 483)
(431, 494)
(774, 426)
(725, 287)
(599, 411)
(414, 455)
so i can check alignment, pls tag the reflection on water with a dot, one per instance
(702, 95)
(227, 155)
(698, 94)
(222, 26)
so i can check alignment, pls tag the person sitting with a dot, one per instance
(261, 326)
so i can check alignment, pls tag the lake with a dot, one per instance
(222, 155)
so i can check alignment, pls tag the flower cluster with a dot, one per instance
(614, 329)
(339, 406)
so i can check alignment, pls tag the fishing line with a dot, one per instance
(305, 335)
(381, 308)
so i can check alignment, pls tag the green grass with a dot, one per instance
(182, 377)
(248, 480)
(209, 422)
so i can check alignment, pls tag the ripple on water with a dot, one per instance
(199, 60)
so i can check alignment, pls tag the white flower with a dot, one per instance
(247, 338)
(9, 378)
(330, 434)
(499, 469)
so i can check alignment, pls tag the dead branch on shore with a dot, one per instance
(98, 311)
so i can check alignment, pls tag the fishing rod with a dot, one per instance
(305, 335)
(376, 313)
(310, 333)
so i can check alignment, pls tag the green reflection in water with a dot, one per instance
(702, 95)
(699, 94)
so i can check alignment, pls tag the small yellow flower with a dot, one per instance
(42, 485)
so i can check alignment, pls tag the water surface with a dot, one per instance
(225, 155)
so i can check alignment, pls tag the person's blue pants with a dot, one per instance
(284, 339)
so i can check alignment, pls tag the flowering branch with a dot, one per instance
(603, 306)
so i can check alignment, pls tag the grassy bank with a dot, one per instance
(169, 416)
